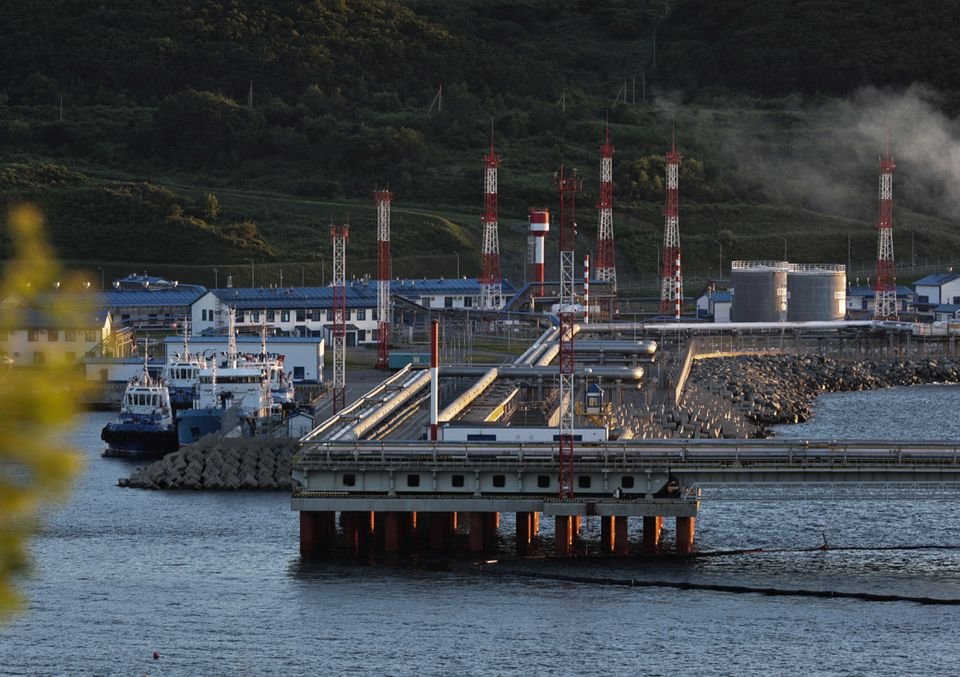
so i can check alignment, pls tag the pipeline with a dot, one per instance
(595, 371)
(374, 415)
(472, 393)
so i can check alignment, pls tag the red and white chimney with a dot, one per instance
(539, 227)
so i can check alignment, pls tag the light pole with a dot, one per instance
(457, 254)
(253, 279)
(721, 258)
(302, 277)
(913, 249)
(849, 261)
(216, 278)
(101, 278)
(784, 248)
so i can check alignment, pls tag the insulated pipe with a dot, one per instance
(531, 353)
(434, 376)
(596, 371)
(472, 393)
(376, 415)
(617, 347)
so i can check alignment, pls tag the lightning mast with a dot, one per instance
(606, 265)
(383, 199)
(491, 286)
(568, 187)
(671, 283)
(885, 286)
(339, 235)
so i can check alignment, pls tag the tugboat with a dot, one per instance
(182, 374)
(145, 426)
(233, 395)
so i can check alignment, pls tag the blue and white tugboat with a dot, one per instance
(182, 375)
(145, 427)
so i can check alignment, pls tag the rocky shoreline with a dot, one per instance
(258, 464)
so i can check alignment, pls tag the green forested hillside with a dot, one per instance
(119, 117)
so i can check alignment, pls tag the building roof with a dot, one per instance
(359, 294)
(33, 318)
(868, 292)
(123, 298)
(936, 279)
(947, 308)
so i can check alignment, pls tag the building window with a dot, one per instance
(468, 302)
(285, 316)
(39, 357)
(270, 316)
(413, 480)
(301, 315)
(90, 336)
(448, 302)
(256, 315)
(70, 335)
(499, 481)
(361, 313)
(457, 480)
(349, 479)
(626, 481)
(53, 335)
(923, 299)
(298, 373)
(583, 481)
(543, 481)
(33, 335)
(361, 335)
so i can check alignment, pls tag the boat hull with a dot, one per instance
(138, 440)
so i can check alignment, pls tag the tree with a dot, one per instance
(36, 405)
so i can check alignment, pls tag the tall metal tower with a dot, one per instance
(568, 186)
(671, 282)
(885, 286)
(606, 264)
(491, 285)
(339, 235)
(383, 199)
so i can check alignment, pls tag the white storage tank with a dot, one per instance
(816, 292)
(759, 291)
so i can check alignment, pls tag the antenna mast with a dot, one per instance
(568, 186)
(606, 265)
(885, 286)
(671, 283)
(339, 235)
(491, 287)
(384, 273)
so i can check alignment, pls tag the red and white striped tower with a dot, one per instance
(491, 285)
(383, 199)
(434, 377)
(539, 227)
(671, 282)
(586, 289)
(339, 235)
(885, 286)
(568, 186)
(606, 261)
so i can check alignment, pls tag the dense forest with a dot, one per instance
(125, 120)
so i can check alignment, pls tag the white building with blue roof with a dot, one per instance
(937, 289)
(861, 301)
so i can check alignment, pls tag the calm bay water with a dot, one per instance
(215, 584)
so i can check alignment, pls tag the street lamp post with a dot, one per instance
(101, 278)
(302, 276)
(784, 248)
(216, 278)
(253, 272)
(720, 275)
(849, 261)
(457, 254)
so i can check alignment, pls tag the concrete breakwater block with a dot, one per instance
(259, 464)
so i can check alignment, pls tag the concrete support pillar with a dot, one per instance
(621, 543)
(651, 533)
(523, 532)
(393, 528)
(453, 522)
(535, 523)
(563, 536)
(606, 534)
(496, 520)
(356, 529)
(478, 536)
(686, 527)
(439, 530)
(318, 530)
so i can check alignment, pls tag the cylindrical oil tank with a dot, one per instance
(816, 292)
(759, 291)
